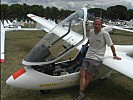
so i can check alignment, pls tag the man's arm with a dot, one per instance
(87, 27)
(114, 53)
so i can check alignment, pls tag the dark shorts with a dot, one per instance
(91, 65)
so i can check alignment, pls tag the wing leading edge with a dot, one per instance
(47, 25)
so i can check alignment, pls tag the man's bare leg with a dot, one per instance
(88, 78)
(82, 79)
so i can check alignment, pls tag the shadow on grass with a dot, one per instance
(108, 90)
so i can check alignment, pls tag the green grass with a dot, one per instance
(19, 43)
(122, 37)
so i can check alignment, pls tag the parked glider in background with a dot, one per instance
(110, 28)
(2, 43)
(43, 72)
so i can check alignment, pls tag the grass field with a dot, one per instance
(19, 43)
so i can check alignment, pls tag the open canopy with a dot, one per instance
(61, 39)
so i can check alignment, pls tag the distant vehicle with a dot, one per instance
(42, 70)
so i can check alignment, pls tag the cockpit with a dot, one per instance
(60, 40)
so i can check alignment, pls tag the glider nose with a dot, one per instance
(10, 81)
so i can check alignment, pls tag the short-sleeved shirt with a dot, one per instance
(97, 45)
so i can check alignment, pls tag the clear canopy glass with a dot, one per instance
(63, 38)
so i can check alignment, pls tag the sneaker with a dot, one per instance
(79, 96)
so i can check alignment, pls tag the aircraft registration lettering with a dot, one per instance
(55, 84)
(47, 85)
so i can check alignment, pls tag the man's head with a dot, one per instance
(97, 24)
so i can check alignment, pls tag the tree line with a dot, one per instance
(20, 11)
(113, 12)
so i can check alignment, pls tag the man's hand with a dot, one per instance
(117, 58)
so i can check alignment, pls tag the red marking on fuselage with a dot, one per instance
(2, 60)
(18, 73)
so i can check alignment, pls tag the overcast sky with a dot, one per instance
(74, 4)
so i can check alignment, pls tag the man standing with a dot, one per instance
(98, 39)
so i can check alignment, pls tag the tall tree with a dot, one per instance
(4, 11)
(117, 12)
(98, 12)
(61, 14)
(25, 11)
(130, 14)
(16, 11)
(48, 12)
(37, 9)
(55, 13)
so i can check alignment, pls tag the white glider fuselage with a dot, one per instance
(35, 80)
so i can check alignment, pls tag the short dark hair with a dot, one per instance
(99, 19)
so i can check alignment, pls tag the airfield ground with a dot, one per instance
(19, 43)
